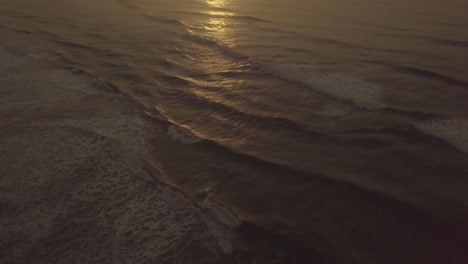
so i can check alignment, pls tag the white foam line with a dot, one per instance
(339, 86)
(453, 131)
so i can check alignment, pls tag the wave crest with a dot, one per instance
(182, 135)
(339, 86)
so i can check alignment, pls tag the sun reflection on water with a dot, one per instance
(216, 3)
(217, 23)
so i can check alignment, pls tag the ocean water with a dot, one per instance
(338, 128)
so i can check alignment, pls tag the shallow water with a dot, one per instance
(340, 125)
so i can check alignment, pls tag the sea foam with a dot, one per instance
(340, 86)
(452, 131)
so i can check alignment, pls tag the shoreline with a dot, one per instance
(66, 151)
(88, 167)
(87, 141)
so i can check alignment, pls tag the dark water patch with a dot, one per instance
(250, 235)
(175, 80)
(443, 41)
(49, 23)
(15, 29)
(375, 61)
(231, 73)
(415, 116)
(362, 140)
(108, 53)
(299, 174)
(397, 29)
(133, 78)
(200, 39)
(50, 34)
(127, 4)
(163, 20)
(95, 35)
(298, 211)
(275, 30)
(433, 39)
(323, 41)
(175, 68)
(20, 15)
(297, 50)
(430, 75)
(399, 51)
(230, 52)
(76, 45)
(455, 25)
(203, 40)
